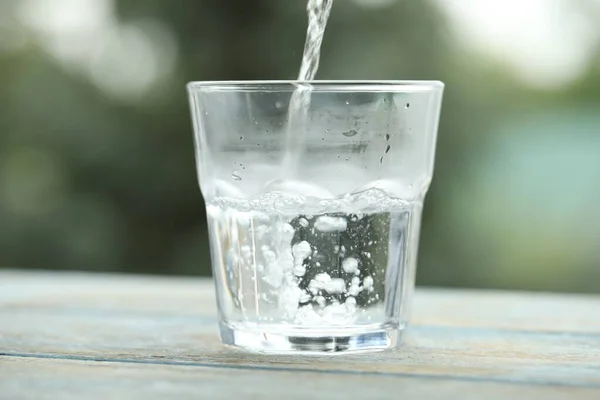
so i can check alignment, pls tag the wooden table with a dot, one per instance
(93, 336)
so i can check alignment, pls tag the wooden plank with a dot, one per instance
(441, 307)
(461, 338)
(70, 290)
(39, 379)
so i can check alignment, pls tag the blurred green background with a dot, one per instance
(96, 159)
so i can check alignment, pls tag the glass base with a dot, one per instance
(270, 339)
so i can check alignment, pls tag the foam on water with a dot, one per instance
(293, 204)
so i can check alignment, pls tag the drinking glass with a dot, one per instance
(313, 193)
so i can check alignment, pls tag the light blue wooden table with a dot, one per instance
(95, 336)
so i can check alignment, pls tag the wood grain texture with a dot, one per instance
(64, 333)
(39, 379)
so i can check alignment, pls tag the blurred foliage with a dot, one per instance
(96, 176)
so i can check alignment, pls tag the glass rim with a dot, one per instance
(400, 86)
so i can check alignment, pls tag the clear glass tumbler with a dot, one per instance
(314, 193)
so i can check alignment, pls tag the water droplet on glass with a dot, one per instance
(350, 133)
(381, 160)
(407, 105)
(338, 156)
(347, 103)
(346, 158)
(387, 136)
(241, 138)
(384, 100)
(387, 148)
(266, 130)
(236, 176)
(385, 109)
(278, 104)
(327, 130)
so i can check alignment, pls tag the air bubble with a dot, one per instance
(381, 160)
(407, 105)
(347, 103)
(350, 133)
(387, 148)
(241, 138)
(387, 136)
(236, 176)
(303, 222)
